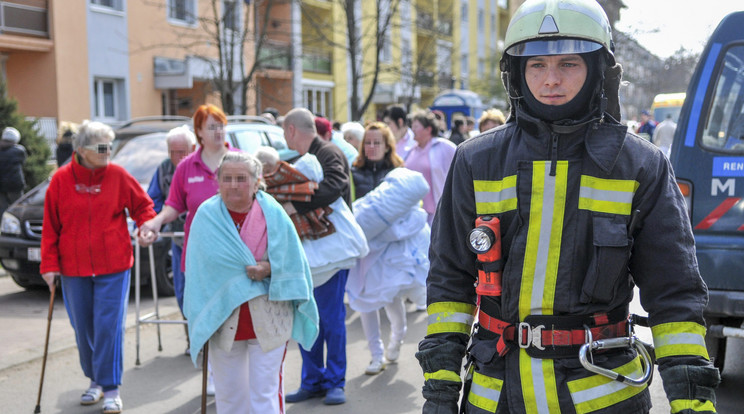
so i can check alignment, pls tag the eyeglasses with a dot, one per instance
(99, 148)
(93, 189)
(215, 127)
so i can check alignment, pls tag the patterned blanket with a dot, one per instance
(288, 184)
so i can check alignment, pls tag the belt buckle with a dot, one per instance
(529, 336)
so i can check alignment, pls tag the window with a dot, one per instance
(183, 11)
(231, 15)
(105, 99)
(724, 128)
(112, 4)
(249, 141)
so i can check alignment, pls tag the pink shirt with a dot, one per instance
(418, 160)
(193, 183)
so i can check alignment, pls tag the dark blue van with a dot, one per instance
(708, 159)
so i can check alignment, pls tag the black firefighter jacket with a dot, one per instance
(586, 213)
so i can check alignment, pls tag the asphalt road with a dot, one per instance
(167, 382)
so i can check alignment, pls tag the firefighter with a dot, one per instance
(585, 211)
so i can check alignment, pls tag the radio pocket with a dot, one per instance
(608, 265)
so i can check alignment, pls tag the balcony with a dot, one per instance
(318, 62)
(24, 17)
(275, 56)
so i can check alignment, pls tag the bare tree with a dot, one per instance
(230, 42)
(356, 28)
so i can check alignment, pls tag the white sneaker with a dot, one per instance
(393, 351)
(375, 367)
(210, 385)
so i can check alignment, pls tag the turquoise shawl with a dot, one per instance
(216, 281)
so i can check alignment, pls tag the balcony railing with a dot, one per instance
(319, 62)
(29, 17)
(275, 56)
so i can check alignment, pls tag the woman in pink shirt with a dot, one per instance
(195, 178)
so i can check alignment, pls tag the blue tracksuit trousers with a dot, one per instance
(97, 307)
(178, 279)
(316, 375)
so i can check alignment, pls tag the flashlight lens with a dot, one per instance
(480, 241)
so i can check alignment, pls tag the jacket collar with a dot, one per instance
(602, 140)
(86, 175)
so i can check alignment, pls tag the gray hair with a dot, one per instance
(354, 128)
(181, 132)
(255, 168)
(90, 131)
(302, 119)
(267, 155)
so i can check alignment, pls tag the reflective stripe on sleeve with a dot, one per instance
(607, 196)
(494, 197)
(694, 405)
(485, 392)
(597, 391)
(450, 317)
(442, 375)
(679, 338)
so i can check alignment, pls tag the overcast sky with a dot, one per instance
(662, 26)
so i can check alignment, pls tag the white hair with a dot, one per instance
(354, 128)
(90, 131)
(182, 131)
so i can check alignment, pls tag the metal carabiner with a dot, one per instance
(630, 342)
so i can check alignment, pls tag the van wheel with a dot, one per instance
(716, 347)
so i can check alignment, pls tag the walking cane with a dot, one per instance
(37, 410)
(204, 378)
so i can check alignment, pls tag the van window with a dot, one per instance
(724, 128)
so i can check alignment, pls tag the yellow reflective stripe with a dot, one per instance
(607, 196)
(493, 197)
(544, 235)
(679, 338)
(597, 391)
(485, 392)
(694, 405)
(442, 375)
(450, 317)
(539, 389)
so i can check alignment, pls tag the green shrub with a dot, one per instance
(36, 169)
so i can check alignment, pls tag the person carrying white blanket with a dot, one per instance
(397, 232)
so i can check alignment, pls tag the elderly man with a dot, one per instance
(181, 142)
(319, 377)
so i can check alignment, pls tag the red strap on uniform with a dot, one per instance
(556, 337)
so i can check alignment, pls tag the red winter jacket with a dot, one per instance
(85, 233)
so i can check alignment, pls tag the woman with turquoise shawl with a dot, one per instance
(248, 290)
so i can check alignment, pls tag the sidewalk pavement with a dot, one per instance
(24, 320)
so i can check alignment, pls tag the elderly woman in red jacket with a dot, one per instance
(86, 241)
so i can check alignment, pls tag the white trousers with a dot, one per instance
(396, 314)
(248, 380)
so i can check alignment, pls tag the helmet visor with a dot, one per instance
(553, 47)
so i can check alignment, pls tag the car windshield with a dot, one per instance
(142, 155)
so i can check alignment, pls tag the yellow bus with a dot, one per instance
(667, 103)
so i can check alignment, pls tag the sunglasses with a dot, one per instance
(99, 148)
